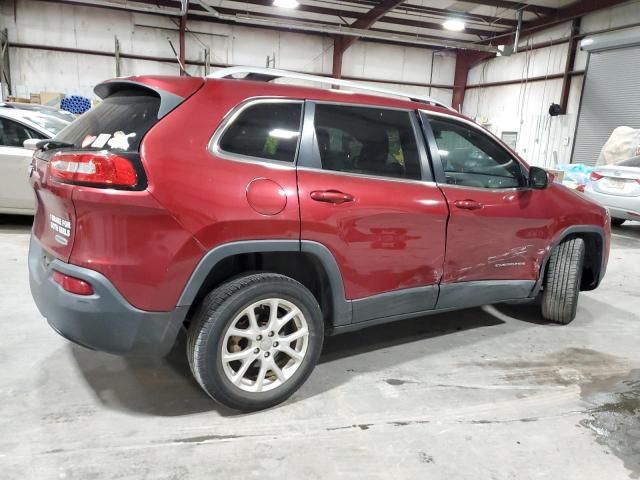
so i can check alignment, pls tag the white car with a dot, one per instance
(617, 187)
(16, 126)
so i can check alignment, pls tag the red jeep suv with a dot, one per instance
(262, 216)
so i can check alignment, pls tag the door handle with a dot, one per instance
(467, 204)
(331, 196)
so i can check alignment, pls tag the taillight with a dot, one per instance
(94, 168)
(595, 176)
(72, 284)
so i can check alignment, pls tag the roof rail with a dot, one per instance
(268, 74)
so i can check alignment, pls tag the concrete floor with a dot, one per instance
(489, 393)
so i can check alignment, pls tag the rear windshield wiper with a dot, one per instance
(48, 144)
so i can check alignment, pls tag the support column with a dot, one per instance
(568, 67)
(338, 51)
(465, 59)
(182, 53)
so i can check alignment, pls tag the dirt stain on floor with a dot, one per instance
(606, 384)
(615, 417)
(570, 366)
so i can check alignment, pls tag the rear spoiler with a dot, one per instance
(168, 100)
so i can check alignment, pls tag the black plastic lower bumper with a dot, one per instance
(103, 321)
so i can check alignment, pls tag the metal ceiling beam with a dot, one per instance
(527, 7)
(200, 6)
(282, 23)
(573, 11)
(416, 21)
(442, 12)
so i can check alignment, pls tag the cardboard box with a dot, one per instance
(18, 99)
(50, 99)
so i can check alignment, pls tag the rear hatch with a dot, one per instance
(101, 149)
(621, 180)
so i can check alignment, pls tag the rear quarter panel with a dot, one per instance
(206, 193)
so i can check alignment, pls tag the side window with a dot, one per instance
(13, 134)
(268, 130)
(371, 141)
(472, 159)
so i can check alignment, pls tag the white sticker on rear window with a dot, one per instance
(88, 140)
(120, 140)
(101, 141)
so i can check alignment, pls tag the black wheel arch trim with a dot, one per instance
(572, 230)
(342, 309)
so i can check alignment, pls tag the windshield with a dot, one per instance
(51, 124)
(119, 122)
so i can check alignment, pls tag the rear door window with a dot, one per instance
(267, 130)
(367, 141)
(118, 123)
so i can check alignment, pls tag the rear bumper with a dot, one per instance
(103, 321)
(627, 208)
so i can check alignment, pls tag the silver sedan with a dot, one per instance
(617, 187)
(17, 126)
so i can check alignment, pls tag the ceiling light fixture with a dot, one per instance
(285, 3)
(453, 25)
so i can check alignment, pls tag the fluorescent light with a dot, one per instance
(454, 25)
(285, 3)
(443, 153)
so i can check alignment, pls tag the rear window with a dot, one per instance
(117, 123)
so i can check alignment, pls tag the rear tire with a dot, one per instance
(616, 222)
(562, 283)
(244, 355)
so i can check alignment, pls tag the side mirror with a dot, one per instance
(32, 143)
(538, 178)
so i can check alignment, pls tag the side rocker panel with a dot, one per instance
(473, 294)
(391, 304)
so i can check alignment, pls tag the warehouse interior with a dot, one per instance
(492, 392)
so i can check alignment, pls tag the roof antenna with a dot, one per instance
(182, 69)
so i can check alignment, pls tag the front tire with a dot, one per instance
(562, 283)
(255, 340)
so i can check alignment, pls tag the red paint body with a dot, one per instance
(392, 235)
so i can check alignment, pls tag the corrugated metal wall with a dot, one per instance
(611, 99)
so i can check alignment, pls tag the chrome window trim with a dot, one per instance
(213, 146)
(368, 177)
(363, 105)
(480, 129)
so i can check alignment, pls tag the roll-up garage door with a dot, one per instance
(610, 99)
